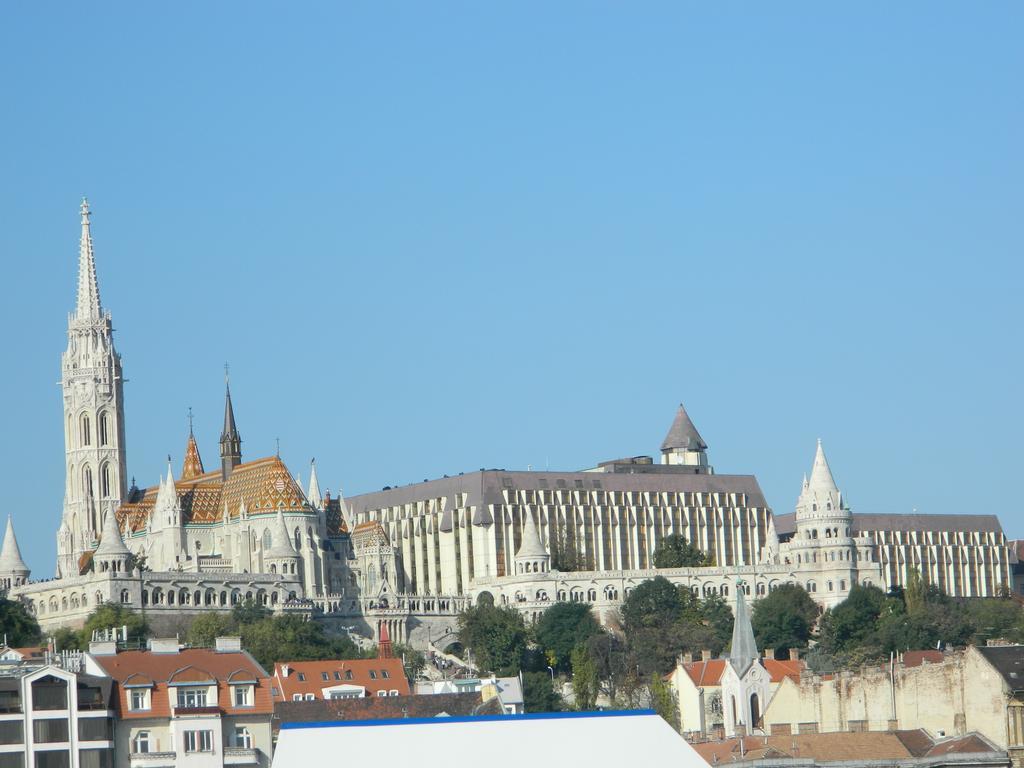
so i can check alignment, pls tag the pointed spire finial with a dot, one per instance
(190, 421)
(88, 305)
(743, 649)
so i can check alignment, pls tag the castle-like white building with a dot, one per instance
(410, 558)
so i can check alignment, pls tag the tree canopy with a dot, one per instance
(18, 625)
(496, 636)
(563, 627)
(676, 551)
(784, 618)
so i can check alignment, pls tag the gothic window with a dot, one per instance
(125, 598)
(266, 539)
(105, 481)
(86, 430)
(298, 540)
(104, 429)
(87, 481)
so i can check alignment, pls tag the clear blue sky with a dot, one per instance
(433, 237)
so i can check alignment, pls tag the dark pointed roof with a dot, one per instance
(230, 430)
(743, 649)
(683, 435)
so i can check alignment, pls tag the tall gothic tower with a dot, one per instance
(94, 445)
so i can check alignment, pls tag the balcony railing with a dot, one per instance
(143, 758)
(241, 756)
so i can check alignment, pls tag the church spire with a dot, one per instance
(821, 474)
(230, 440)
(313, 496)
(88, 306)
(743, 650)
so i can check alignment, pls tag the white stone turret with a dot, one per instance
(13, 571)
(111, 556)
(531, 556)
(167, 532)
(92, 386)
(281, 557)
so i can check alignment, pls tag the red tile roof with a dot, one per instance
(132, 668)
(709, 673)
(917, 658)
(388, 675)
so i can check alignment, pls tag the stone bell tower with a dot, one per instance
(94, 444)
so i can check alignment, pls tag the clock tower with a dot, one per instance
(94, 445)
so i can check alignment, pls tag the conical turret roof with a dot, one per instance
(743, 650)
(531, 545)
(111, 543)
(281, 542)
(10, 555)
(683, 436)
(821, 479)
(192, 467)
(313, 495)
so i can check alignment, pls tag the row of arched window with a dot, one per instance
(88, 487)
(85, 430)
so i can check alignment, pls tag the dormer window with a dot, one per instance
(138, 699)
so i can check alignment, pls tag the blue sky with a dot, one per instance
(436, 237)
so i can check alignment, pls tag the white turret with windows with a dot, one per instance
(13, 571)
(531, 557)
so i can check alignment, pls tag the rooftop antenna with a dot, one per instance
(278, 441)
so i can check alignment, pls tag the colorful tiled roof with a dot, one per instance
(263, 485)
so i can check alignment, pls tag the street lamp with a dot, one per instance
(552, 671)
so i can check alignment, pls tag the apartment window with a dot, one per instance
(58, 758)
(242, 696)
(310, 697)
(96, 758)
(141, 743)
(337, 675)
(242, 738)
(12, 760)
(138, 698)
(325, 676)
(392, 692)
(348, 674)
(49, 693)
(192, 697)
(382, 693)
(10, 701)
(199, 741)
(95, 729)
(50, 731)
(296, 697)
(385, 674)
(373, 674)
(12, 732)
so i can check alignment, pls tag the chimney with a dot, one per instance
(687, 658)
(285, 669)
(705, 655)
(228, 645)
(769, 653)
(794, 654)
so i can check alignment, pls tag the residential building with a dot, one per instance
(980, 689)
(344, 679)
(894, 749)
(508, 690)
(52, 717)
(187, 707)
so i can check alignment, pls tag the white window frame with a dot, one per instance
(242, 691)
(143, 693)
(242, 737)
(198, 741)
(193, 698)
(139, 740)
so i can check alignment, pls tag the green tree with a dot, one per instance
(584, 679)
(663, 701)
(853, 624)
(676, 551)
(561, 628)
(655, 603)
(207, 627)
(496, 636)
(292, 638)
(539, 694)
(565, 552)
(110, 616)
(414, 661)
(67, 639)
(785, 618)
(249, 612)
(18, 625)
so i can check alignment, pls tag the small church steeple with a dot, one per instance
(683, 444)
(88, 305)
(230, 440)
